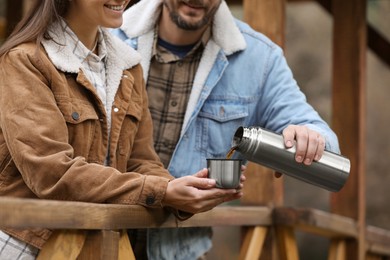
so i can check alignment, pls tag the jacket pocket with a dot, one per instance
(79, 111)
(218, 122)
(82, 121)
(130, 128)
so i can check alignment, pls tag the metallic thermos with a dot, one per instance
(267, 148)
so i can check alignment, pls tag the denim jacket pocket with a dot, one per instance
(218, 122)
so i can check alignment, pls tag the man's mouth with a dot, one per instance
(193, 4)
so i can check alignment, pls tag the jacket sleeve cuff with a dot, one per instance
(153, 191)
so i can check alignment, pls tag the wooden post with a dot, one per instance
(268, 17)
(261, 187)
(100, 245)
(253, 243)
(349, 94)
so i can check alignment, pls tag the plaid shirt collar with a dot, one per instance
(79, 49)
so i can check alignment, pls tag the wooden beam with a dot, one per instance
(379, 44)
(26, 213)
(348, 119)
(378, 241)
(316, 222)
(376, 41)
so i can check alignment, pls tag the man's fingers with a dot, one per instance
(309, 144)
(289, 136)
(320, 148)
(302, 139)
(312, 146)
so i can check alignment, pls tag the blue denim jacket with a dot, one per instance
(243, 80)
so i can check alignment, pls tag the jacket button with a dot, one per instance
(150, 200)
(75, 116)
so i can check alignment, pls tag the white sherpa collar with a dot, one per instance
(119, 57)
(119, 54)
(142, 17)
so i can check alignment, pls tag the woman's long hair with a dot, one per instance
(34, 26)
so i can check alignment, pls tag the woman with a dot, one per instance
(74, 120)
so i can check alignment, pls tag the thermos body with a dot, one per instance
(267, 148)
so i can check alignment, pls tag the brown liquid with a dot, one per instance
(231, 152)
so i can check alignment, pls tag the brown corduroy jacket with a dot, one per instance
(54, 133)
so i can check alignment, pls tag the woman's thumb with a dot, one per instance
(202, 173)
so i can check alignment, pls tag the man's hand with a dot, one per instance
(197, 193)
(309, 144)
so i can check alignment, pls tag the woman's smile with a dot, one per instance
(117, 7)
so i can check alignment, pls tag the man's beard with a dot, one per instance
(188, 26)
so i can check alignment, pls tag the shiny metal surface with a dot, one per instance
(226, 172)
(267, 148)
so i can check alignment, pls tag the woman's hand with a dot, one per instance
(197, 193)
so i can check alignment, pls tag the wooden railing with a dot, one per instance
(103, 218)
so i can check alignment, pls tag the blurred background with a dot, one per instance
(309, 52)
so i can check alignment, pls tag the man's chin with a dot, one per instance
(190, 24)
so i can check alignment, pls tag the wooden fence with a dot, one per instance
(105, 219)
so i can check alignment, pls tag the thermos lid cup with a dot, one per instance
(226, 172)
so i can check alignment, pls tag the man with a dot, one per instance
(207, 74)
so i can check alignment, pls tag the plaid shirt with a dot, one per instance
(92, 65)
(169, 86)
(15, 249)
